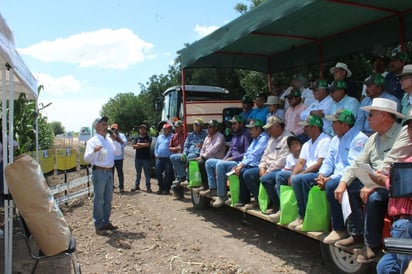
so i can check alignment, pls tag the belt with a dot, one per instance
(403, 216)
(103, 168)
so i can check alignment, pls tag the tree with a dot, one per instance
(57, 127)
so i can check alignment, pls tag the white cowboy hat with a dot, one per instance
(383, 104)
(407, 70)
(272, 100)
(343, 66)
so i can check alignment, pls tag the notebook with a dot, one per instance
(400, 180)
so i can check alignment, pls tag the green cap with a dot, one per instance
(237, 119)
(246, 99)
(397, 54)
(339, 84)
(255, 123)
(321, 84)
(375, 79)
(313, 120)
(343, 116)
(212, 123)
(294, 93)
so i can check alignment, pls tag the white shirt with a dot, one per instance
(101, 158)
(311, 152)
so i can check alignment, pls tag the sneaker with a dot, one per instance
(101, 231)
(184, 183)
(275, 217)
(220, 201)
(295, 223)
(239, 205)
(228, 202)
(251, 205)
(199, 189)
(335, 236)
(299, 227)
(135, 189)
(110, 226)
(149, 190)
(209, 192)
(366, 254)
(350, 242)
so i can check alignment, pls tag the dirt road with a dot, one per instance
(160, 235)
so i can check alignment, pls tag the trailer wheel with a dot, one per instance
(199, 202)
(343, 262)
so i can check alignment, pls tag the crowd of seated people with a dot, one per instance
(323, 144)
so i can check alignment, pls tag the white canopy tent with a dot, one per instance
(15, 78)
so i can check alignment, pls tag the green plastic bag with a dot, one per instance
(234, 189)
(195, 179)
(288, 205)
(317, 216)
(263, 198)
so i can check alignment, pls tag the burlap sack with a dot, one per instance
(36, 204)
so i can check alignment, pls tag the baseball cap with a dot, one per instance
(98, 120)
(115, 126)
(255, 123)
(312, 120)
(198, 122)
(397, 54)
(342, 115)
(339, 84)
(178, 123)
(294, 93)
(321, 84)
(167, 126)
(246, 99)
(261, 95)
(143, 125)
(237, 119)
(212, 123)
(273, 120)
(375, 79)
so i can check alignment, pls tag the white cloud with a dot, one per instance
(58, 86)
(105, 48)
(73, 113)
(204, 30)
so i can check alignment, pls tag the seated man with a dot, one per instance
(292, 115)
(260, 111)
(273, 160)
(369, 204)
(216, 169)
(214, 146)
(303, 176)
(251, 158)
(341, 101)
(191, 150)
(343, 149)
(400, 209)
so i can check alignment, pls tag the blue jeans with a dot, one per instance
(216, 170)
(252, 182)
(301, 184)
(179, 166)
(374, 215)
(282, 178)
(118, 165)
(102, 199)
(164, 165)
(334, 205)
(269, 182)
(396, 263)
(140, 164)
(244, 193)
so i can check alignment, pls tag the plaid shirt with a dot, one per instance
(192, 140)
(178, 140)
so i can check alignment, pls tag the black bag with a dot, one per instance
(400, 179)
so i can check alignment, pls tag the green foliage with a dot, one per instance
(57, 127)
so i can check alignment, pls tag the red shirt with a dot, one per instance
(399, 206)
(178, 140)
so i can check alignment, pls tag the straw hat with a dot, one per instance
(343, 66)
(383, 104)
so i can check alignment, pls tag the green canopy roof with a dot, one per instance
(281, 34)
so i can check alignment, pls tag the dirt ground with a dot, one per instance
(160, 235)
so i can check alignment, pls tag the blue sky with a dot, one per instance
(85, 52)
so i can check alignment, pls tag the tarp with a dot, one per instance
(281, 34)
(15, 79)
